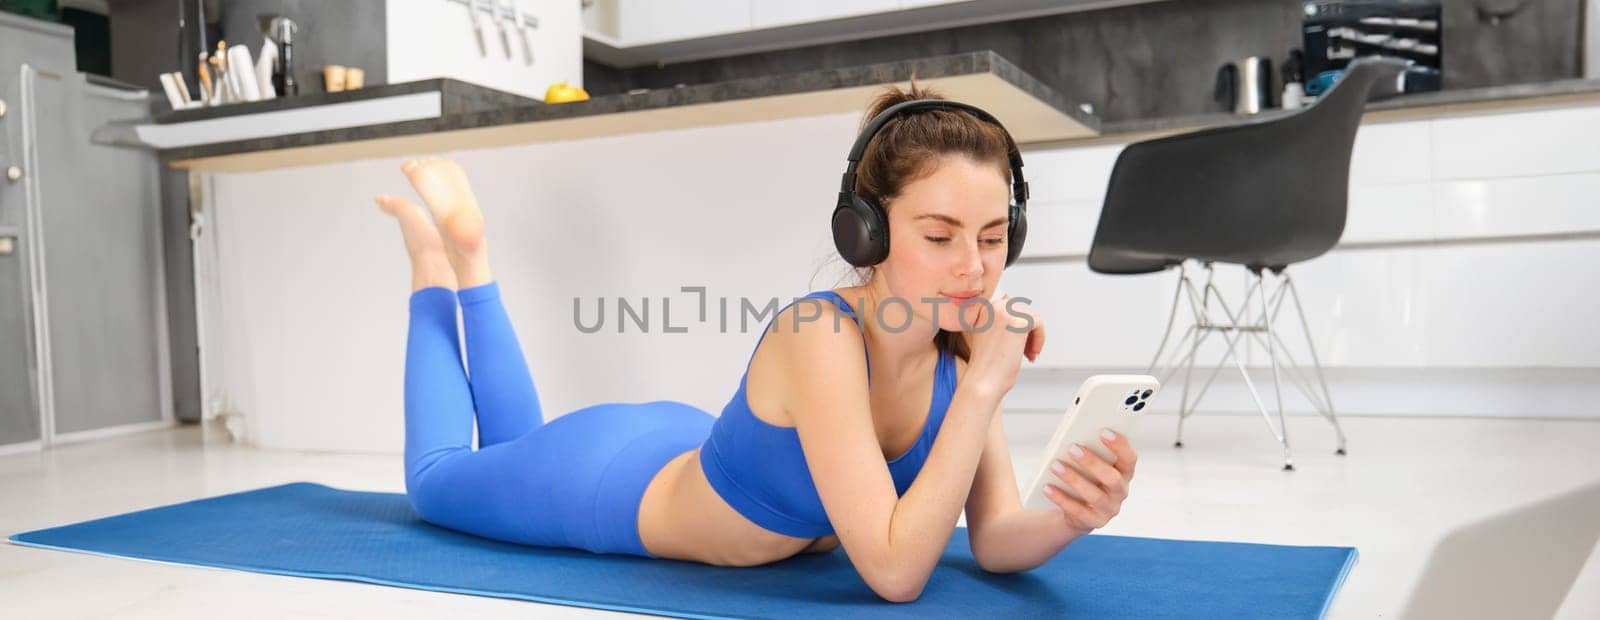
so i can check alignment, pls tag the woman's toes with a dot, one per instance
(421, 236)
(384, 205)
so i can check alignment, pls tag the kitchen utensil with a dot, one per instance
(284, 30)
(264, 65)
(522, 33)
(205, 79)
(501, 23)
(477, 28)
(243, 74)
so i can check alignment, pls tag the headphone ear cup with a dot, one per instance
(859, 231)
(1016, 233)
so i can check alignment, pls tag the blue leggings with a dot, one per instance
(573, 482)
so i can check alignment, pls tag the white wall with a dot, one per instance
(434, 38)
(314, 280)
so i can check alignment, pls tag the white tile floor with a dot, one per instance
(1406, 482)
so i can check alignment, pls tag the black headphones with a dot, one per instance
(860, 228)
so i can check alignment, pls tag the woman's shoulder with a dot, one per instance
(821, 318)
(801, 351)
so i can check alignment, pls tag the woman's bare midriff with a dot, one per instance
(682, 518)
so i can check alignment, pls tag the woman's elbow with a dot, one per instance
(900, 589)
(997, 567)
(907, 595)
(1000, 570)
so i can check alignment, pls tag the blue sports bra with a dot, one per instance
(760, 470)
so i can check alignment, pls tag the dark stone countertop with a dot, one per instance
(458, 97)
(750, 88)
(1414, 101)
(468, 106)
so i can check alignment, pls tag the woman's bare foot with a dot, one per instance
(443, 186)
(429, 265)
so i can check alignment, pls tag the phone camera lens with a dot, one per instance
(1138, 406)
(1130, 400)
(1146, 394)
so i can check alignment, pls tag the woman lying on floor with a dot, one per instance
(875, 437)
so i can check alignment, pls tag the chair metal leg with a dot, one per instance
(1321, 399)
(1199, 305)
(1172, 315)
(1316, 363)
(1262, 407)
(1272, 358)
(1236, 327)
(1183, 402)
(1232, 331)
(1240, 331)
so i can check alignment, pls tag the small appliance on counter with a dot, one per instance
(1245, 85)
(279, 31)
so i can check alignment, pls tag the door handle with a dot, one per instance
(7, 245)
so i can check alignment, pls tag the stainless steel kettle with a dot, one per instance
(1245, 85)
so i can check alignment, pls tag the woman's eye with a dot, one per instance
(942, 240)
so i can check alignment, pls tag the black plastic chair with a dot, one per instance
(1264, 195)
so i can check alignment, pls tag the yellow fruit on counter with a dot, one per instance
(562, 92)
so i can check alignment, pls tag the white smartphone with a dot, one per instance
(1116, 402)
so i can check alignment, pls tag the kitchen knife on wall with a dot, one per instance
(522, 33)
(501, 23)
(477, 27)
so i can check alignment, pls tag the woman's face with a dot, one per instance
(947, 240)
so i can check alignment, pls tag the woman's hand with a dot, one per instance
(1006, 331)
(1102, 490)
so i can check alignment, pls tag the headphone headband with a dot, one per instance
(1019, 187)
(860, 227)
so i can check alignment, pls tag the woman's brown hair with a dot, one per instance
(905, 150)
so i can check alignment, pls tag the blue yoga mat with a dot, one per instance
(310, 530)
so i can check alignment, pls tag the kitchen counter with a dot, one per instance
(1032, 111)
(457, 97)
(481, 118)
(1392, 108)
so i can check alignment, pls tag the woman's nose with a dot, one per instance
(971, 258)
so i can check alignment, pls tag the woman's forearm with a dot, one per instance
(1021, 540)
(926, 516)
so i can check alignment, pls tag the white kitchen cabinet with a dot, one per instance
(437, 40)
(1390, 213)
(774, 13)
(653, 21)
(633, 33)
(1512, 305)
(1527, 143)
(1391, 154)
(1535, 205)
